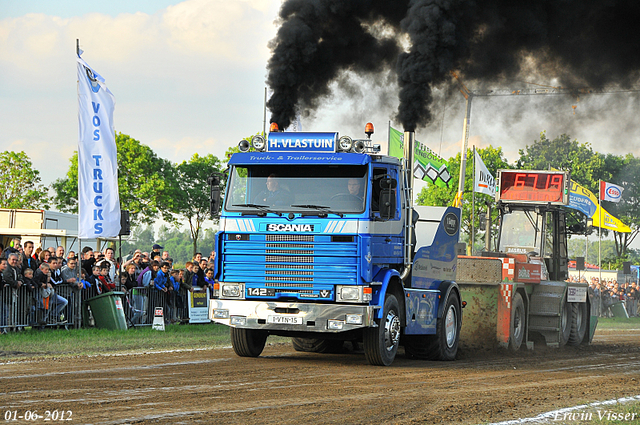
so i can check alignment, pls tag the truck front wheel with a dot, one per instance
(381, 343)
(248, 342)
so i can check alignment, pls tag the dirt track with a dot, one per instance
(283, 386)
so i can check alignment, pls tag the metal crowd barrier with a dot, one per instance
(20, 308)
(140, 303)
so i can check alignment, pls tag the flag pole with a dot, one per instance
(600, 230)
(264, 116)
(473, 202)
(79, 256)
(389, 138)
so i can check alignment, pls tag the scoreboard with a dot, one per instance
(531, 186)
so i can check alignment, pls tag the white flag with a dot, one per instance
(610, 192)
(98, 199)
(484, 181)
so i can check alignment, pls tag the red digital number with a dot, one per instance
(538, 187)
(521, 180)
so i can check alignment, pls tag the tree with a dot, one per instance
(146, 183)
(628, 209)
(20, 185)
(587, 168)
(433, 195)
(192, 197)
(562, 153)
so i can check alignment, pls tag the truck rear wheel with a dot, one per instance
(248, 342)
(381, 343)
(444, 344)
(518, 323)
(565, 323)
(578, 323)
(317, 345)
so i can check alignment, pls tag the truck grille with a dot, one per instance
(290, 238)
(290, 261)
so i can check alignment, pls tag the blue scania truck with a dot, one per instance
(319, 241)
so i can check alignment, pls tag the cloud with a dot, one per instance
(188, 78)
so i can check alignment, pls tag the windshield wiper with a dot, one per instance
(264, 208)
(318, 207)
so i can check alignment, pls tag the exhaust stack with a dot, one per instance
(409, 142)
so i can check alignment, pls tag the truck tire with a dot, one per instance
(381, 343)
(248, 342)
(317, 345)
(444, 344)
(579, 321)
(565, 323)
(518, 327)
(447, 337)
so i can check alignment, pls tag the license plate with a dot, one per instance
(285, 320)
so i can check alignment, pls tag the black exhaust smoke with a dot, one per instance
(576, 42)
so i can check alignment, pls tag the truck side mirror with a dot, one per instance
(388, 183)
(214, 199)
(387, 204)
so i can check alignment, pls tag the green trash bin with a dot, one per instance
(618, 309)
(107, 311)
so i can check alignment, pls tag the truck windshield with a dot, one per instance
(519, 232)
(297, 188)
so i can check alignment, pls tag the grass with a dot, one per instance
(74, 342)
(618, 323)
(52, 342)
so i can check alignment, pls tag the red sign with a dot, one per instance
(530, 273)
(532, 186)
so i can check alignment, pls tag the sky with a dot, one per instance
(189, 76)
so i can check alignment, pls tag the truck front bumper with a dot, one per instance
(295, 317)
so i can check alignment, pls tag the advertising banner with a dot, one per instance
(98, 199)
(428, 165)
(199, 306)
(484, 181)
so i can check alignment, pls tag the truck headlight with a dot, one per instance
(220, 313)
(232, 290)
(345, 143)
(238, 320)
(353, 293)
(350, 293)
(335, 324)
(258, 142)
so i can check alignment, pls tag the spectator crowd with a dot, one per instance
(609, 293)
(39, 275)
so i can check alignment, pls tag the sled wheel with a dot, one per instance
(518, 323)
(578, 323)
